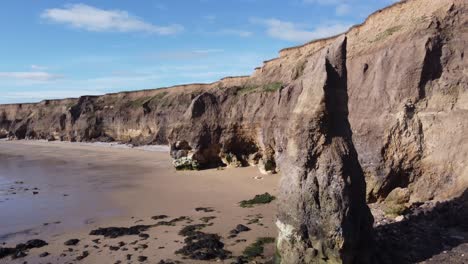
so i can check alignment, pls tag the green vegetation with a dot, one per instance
(207, 219)
(270, 165)
(271, 87)
(146, 99)
(258, 199)
(186, 163)
(392, 209)
(387, 33)
(191, 230)
(247, 89)
(299, 69)
(256, 249)
(277, 259)
(70, 105)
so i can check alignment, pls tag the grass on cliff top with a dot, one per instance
(256, 249)
(271, 87)
(258, 199)
(146, 99)
(387, 33)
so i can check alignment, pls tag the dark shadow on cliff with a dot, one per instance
(424, 233)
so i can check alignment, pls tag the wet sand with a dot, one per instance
(81, 187)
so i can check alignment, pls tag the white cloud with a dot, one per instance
(206, 51)
(289, 31)
(236, 32)
(94, 19)
(38, 67)
(183, 54)
(29, 76)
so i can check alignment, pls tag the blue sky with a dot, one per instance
(57, 49)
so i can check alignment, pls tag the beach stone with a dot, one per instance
(144, 236)
(399, 218)
(114, 248)
(36, 243)
(72, 242)
(83, 255)
(159, 217)
(44, 254)
(168, 261)
(204, 209)
(239, 229)
(200, 245)
(114, 232)
(21, 249)
(19, 254)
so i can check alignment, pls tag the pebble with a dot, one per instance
(399, 218)
(72, 242)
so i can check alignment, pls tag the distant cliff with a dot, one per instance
(407, 106)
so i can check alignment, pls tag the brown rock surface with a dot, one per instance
(323, 216)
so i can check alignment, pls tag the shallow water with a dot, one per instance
(67, 195)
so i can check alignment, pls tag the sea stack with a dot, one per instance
(323, 216)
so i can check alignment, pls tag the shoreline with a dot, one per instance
(116, 145)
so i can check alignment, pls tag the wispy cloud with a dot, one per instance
(94, 19)
(29, 76)
(342, 7)
(290, 31)
(35, 67)
(236, 32)
(183, 55)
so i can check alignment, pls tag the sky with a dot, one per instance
(56, 49)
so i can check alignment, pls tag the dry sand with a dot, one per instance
(82, 187)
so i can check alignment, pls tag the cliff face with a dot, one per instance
(408, 105)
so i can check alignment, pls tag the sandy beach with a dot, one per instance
(57, 191)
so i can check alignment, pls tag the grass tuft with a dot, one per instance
(387, 33)
(256, 249)
(258, 199)
(270, 87)
(143, 100)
